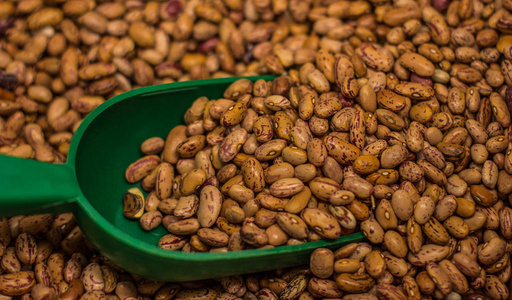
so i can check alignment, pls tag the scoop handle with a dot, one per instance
(31, 187)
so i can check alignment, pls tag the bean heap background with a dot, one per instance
(447, 62)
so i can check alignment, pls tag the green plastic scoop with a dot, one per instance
(91, 185)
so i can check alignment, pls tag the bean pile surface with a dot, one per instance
(389, 117)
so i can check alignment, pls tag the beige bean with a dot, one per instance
(476, 221)
(459, 281)
(393, 156)
(435, 157)
(499, 109)
(372, 230)
(432, 173)
(324, 287)
(343, 152)
(342, 197)
(232, 144)
(142, 167)
(300, 136)
(26, 248)
(317, 152)
(374, 58)
(445, 208)
(9, 261)
(272, 203)
(317, 80)
(236, 214)
(491, 251)
(276, 236)
(396, 266)
(344, 216)
(417, 63)
(440, 278)
(210, 201)
(164, 179)
(414, 236)
(187, 206)
(342, 119)
(495, 288)
(456, 227)
(277, 102)
(253, 235)
(456, 186)
(466, 265)
(55, 263)
(92, 278)
(505, 215)
(171, 242)
(253, 174)
(395, 243)
(213, 237)
(389, 291)
(368, 98)
(286, 187)
(490, 174)
(305, 172)
(428, 253)
(151, 220)
(323, 187)
(385, 215)
(240, 193)
(292, 225)
(152, 146)
(184, 227)
(16, 284)
(270, 150)
(321, 222)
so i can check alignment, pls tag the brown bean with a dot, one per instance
(354, 283)
(322, 263)
(402, 205)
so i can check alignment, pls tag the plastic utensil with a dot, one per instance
(91, 184)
